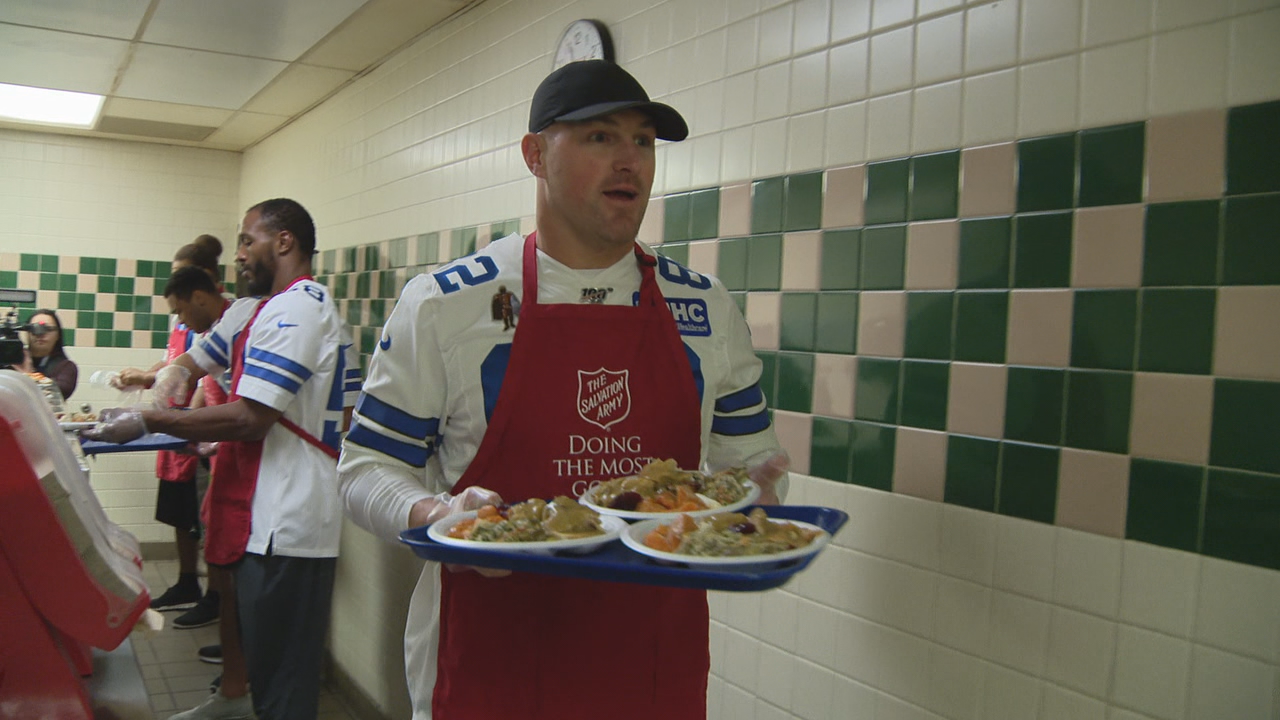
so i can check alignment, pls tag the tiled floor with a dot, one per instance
(176, 680)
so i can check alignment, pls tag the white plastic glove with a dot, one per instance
(117, 425)
(769, 471)
(171, 386)
(429, 510)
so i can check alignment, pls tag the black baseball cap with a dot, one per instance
(588, 89)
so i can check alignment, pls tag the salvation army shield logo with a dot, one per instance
(604, 397)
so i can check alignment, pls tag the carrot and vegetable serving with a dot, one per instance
(662, 487)
(530, 521)
(729, 535)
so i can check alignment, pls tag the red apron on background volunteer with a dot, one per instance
(172, 466)
(589, 390)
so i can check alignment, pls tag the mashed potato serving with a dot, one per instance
(530, 521)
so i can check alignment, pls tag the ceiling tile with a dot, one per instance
(165, 112)
(195, 77)
(58, 60)
(378, 28)
(297, 88)
(244, 129)
(277, 29)
(115, 19)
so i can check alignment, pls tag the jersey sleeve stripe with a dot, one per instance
(407, 453)
(281, 362)
(396, 419)
(740, 400)
(352, 386)
(273, 377)
(212, 350)
(216, 340)
(744, 425)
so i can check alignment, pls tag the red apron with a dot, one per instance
(228, 505)
(172, 466)
(588, 390)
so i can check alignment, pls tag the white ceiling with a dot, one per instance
(208, 73)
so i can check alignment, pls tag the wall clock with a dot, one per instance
(584, 40)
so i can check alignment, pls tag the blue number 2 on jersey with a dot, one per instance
(463, 270)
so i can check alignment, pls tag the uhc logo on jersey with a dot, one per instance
(691, 316)
(604, 397)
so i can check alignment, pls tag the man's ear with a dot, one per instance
(285, 242)
(534, 146)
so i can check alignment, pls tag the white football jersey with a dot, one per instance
(298, 360)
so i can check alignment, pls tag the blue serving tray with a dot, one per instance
(616, 562)
(153, 441)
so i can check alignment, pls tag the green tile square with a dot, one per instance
(876, 390)
(9, 279)
(935, 185)
(873, 447)
(1047, 173)
(1177, 330)
(160, 321)
(368, 337)
(1164, 503)
(764, 262)
(704, 214)
(677, 251)
(387, 284)
(28, 262)
(141, 321)
(377, 313)
(929, 320)
(1242, 517)
(831, 449)
(982, 322)
(66, 301)
(349, 259)
(106, 284)
(373, 255)
(48, 281)
(802, 203)
(340, 285)
(398, 252)
(795, 382)
(106, 321)
(68, 283)
(1246, 425)
(106, 266)
(1253, 156)
(1034, 404)
(767, 197)
(841, 251)
(972, 464)
(85, 320)
(123, 339)
(1028, 485)
(924, 393)
(986, 247)
(798, 321)
(1250, 250)
(159, 339)
(884, 257)
(675, 217)
(104, 338)
(355, 313)
(88, 266)
(740, 299)
(1112, 160)
(124, 303)
(162, 272)
(329, 261)
(142, 303)
(1180, 243)
(1104, 329)
(69, 336)
(124, 285)
(1099, 405)
(1042, 250)
(49, 263)
(364, 285)
(86, 301)
(769, 376)
(837, 323)
(887, 191)
(731, 263)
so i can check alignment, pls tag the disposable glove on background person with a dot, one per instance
(171, 386)
(117, 425)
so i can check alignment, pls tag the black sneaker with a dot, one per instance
(204, 613)
(211, 654)
(178, 597)
(215, 684)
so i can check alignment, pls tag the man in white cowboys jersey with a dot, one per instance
(615, 357)
(275, 485)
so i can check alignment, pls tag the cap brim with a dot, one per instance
(666, 121)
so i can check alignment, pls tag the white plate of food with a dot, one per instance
(533, 526)
(661, 490)
(720, 540)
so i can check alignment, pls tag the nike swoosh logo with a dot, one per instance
(284, 324)
(385, 343)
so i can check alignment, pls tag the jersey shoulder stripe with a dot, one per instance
(740, 400)
(393, 418)
(740, 425)
(281, 362)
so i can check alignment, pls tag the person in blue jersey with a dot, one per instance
(275, 487)
(532, 368)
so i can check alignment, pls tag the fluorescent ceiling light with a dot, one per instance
(51, 107)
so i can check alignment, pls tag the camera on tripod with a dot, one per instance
(11, 348)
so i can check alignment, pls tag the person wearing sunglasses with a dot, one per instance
(46, 354)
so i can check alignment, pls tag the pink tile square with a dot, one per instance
(1040, 327)
(1172, 417)
(882, 323)
(801, 261)
(703, 256)
(735, 210)
(1186, 156)
(764, 317)
(654, 217)
(10, 261)
(933, 255)
(1247, 333)
(920, 463)
(1108, 247)
(1093, 491)
(833, 385)
(842, 202)
(794, 431)
(988, 180)
(975, 403)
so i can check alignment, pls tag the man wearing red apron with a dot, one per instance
(613, 357)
